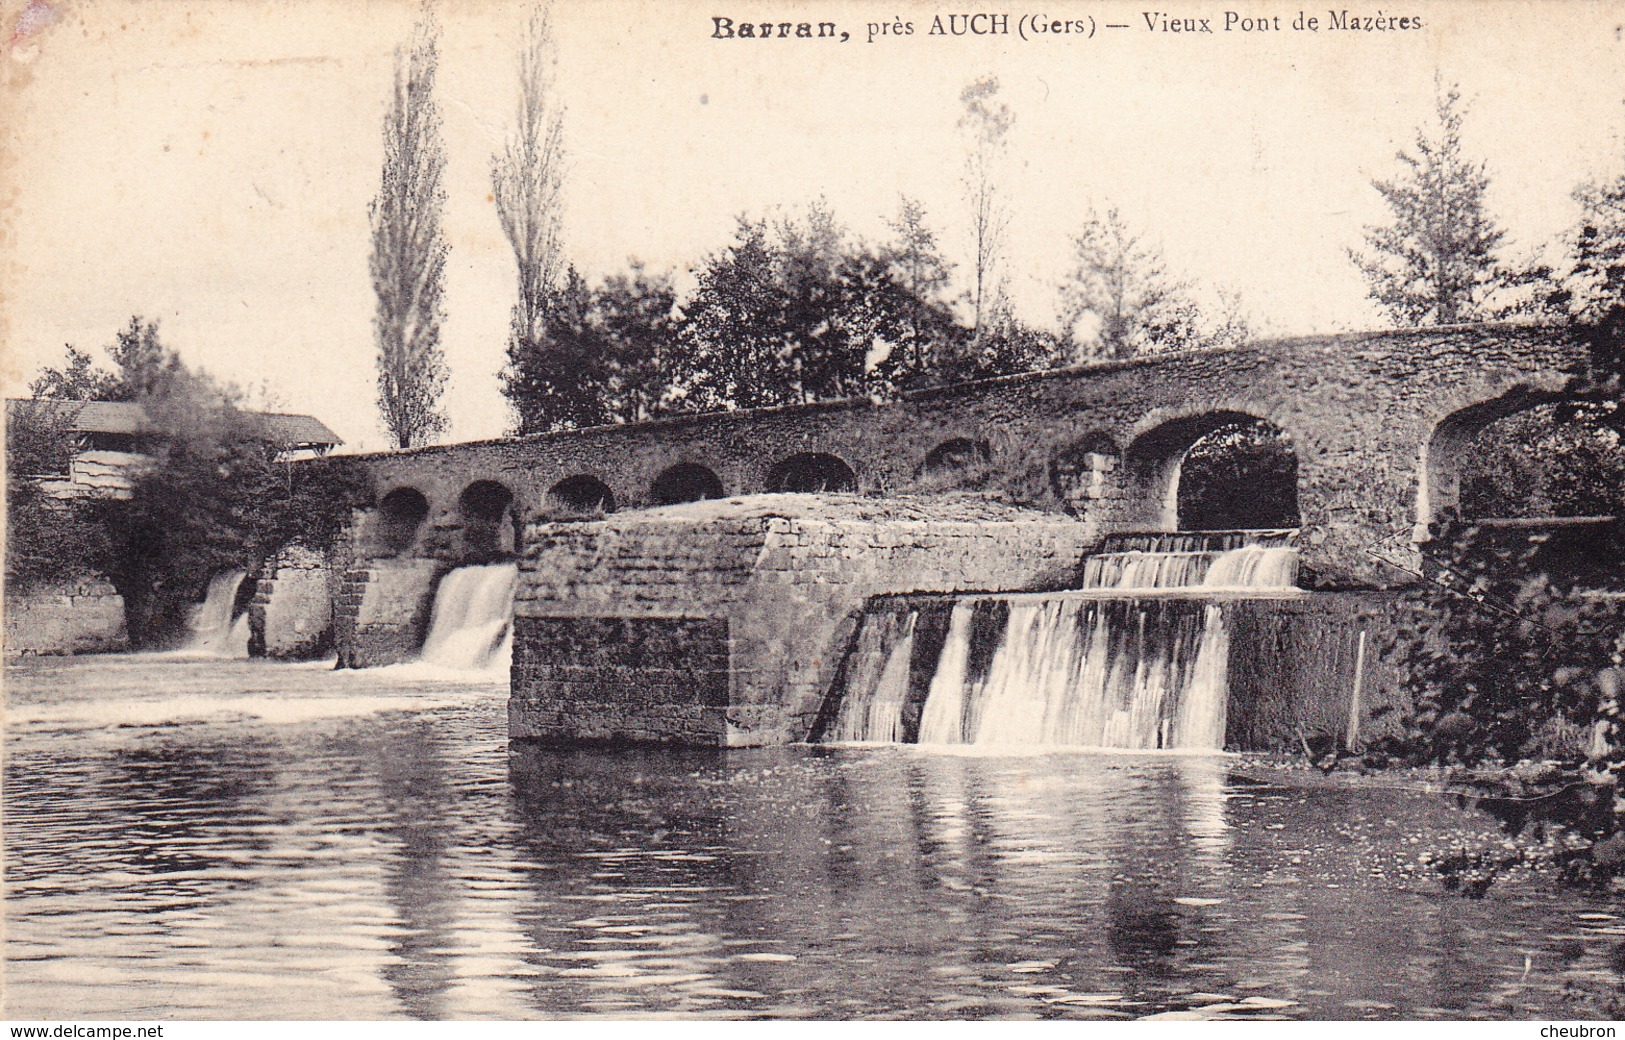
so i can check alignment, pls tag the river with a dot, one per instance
(197, 838)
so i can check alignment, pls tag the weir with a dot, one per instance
(217, 628)
(1138, 658)
(471, 625)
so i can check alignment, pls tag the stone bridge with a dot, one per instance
(645, 613)
(1378, 422)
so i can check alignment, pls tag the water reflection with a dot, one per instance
(247, 840)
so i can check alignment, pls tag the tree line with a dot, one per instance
(798, 309)
(793, 309)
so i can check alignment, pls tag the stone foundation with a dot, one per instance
(383, 610)
(78, 617)
(781, 580)
(620, 680)
(291, 616)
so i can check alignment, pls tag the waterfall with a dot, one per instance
(1251, 560)
(1137, 658)
(471, 625)
(214, 629)
(1098, 673)
(943, 720)
(879, 716)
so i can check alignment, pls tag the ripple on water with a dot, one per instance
(243, 839)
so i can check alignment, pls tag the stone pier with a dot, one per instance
(723, 622)
(291, 615)
(383, 610)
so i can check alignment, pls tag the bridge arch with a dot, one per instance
(959, 462)
(685, 482)
(580, 497)
(395, 526)
(811, 472)
(1522, 454)
(1212, 470)
(490, 521)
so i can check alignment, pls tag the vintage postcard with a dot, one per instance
(813, 509)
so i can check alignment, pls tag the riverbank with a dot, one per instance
(1533, 801)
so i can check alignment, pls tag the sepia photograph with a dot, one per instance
(786, 510)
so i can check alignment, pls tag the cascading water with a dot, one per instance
(215, 631)
(471, 625)
(1252, 560)
(1137, 658)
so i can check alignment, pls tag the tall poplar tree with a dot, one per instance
(986, 122)
(409, 248)
(1434, 262)
(527, 181)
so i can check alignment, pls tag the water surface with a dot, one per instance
(198, 838)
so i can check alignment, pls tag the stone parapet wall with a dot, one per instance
(787, 577)
(291, 615)
(76, 617)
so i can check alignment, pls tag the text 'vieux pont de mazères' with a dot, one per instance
(1039, 25)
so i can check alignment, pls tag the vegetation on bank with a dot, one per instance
(210, 495)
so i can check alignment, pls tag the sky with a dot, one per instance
(209, 164)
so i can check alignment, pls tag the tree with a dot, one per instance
(636, 314)
(1435, 262)
(1590, 289)
(601, 356)
(986, 121)
(1120, 300)
(409, 248)
(916, 265)
(78, 380)
(1512, 664)
(798, 311)
(527, 181)
(46, 538)
(142, 365)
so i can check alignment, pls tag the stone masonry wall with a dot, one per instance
(1293, 666)
(621, 679)
(787, 575)
(382, 611)
(1360, 409)
(291, 615)
(77, 617)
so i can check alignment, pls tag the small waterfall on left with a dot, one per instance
(471, 626)
(215, 630)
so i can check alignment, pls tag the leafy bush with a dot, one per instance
(211, 497)
(1517, 668)
(47, 539)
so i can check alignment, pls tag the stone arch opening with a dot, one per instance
(399, 519)
(812, 472)
(578, 498)
(1082, 472)
(489, 521)
(1551, 460)
(685, 482)
(957, 463)
(1440, 461)
(1217, 471)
